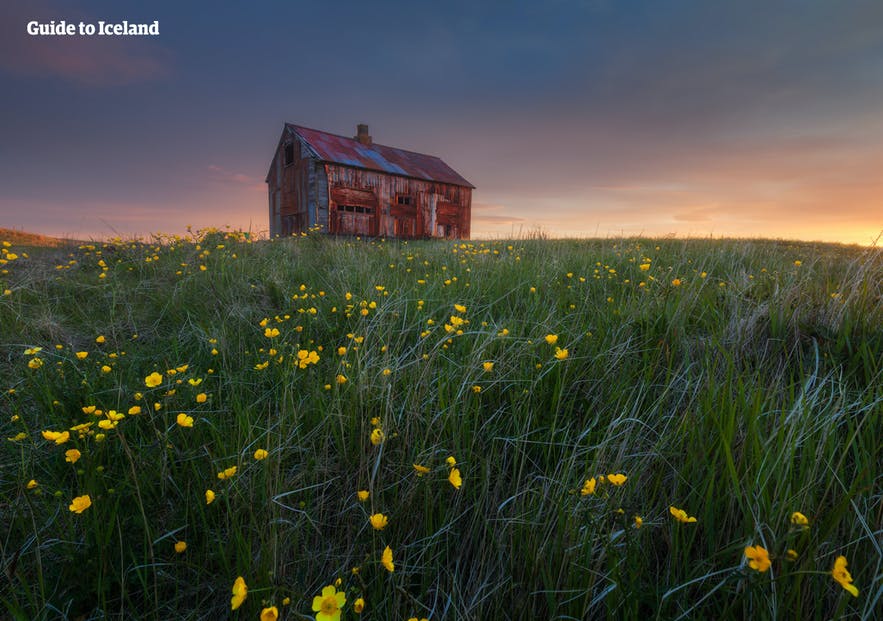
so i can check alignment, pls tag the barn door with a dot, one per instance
(355, 220)
(446, 217)
(354, 212)
(405, 220)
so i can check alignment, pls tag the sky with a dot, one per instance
(574, 118)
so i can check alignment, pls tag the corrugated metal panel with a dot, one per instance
(350, 152)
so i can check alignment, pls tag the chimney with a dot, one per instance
(362, 136)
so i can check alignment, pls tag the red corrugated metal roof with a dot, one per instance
(350, 152)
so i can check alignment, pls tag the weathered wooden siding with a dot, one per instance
(436, 209)
(293, 191)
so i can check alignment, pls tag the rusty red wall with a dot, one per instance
(436, 210)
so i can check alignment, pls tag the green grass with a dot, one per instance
(751, 390)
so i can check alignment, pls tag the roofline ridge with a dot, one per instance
(322, 131)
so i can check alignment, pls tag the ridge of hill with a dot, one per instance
(24, 238)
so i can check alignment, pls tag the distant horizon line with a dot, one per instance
(538, 234)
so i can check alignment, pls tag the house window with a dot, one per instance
(355, 209)
(289, 153)
(404, 199)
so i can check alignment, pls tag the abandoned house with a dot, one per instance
(352, 186)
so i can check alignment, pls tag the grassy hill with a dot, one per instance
(511, 429)
(23, 238)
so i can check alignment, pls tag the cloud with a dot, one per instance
(93, 61)
(487, 213)
(222, 175)
(701, 214)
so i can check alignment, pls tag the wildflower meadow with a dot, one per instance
(213, 426)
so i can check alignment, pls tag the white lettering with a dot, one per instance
(62, 28)
(107, 29)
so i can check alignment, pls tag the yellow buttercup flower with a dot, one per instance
(386, 560)
(589, 487)
(487, 366)
(228, 473)
(639, 521)
(59, 437)
(759, 558)
(551, 339)
(798, 519)
(842, 576)
(271, 333)
(201, 397)
(377, 436)
(209, 496)
(80, 504)
(305, 358)
(561, 354)
(184, 421)
(359, 606)
(341, 379)
(680, 515)
(378, 521)
(72, 455)
(616, 479)
(153, 380)
(81, 355)
(180, 547)
(676, 282)
(270, 614)
(454, 478)
(421, 470)
(240, 592)
(260, 454)
(459, 308)
(362, 495)
(329, 604)
(451, 461)
(32, 484)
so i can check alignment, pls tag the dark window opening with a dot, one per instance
(404, 199)
(289, 153)
(355, 208)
